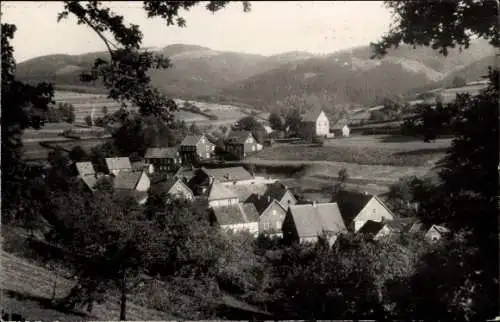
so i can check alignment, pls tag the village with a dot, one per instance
(167, 160)
(239, 200)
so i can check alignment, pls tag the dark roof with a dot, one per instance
(401, 224)
(276, 190)
(339, 125)
(311, 115)
(192, 140)
(137, 195)
(228, 174)
(313, 220)
(371, 228)
(184, 172)
(262, 204)
(351, 203)
(234, 214)
(238, 137)
(139, 166)
(127, 180)
(161, 153)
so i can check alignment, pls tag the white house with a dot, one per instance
(316, 123)
(357, 208)
(236, 218)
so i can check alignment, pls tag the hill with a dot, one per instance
(348, 76)
(351, 77)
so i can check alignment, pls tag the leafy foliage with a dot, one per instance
(441, 25)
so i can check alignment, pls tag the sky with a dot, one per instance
(269, 28)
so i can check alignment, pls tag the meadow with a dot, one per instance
(363, 150)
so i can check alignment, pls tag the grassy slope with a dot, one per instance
(21, 278)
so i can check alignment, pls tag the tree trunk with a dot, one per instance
(123, 300)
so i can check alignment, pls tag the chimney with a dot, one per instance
(268, 198)
(314, 203)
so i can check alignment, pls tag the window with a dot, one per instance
(208, 155)
(253, 147)
(274, 212)
(266, 225)
(279, 224)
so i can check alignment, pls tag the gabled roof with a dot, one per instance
(85, 168)
(313, 220)
(127, 180)
(401, 224)
(250, 212)
(90, 181)
(249, 191)
(262, 205)
(311, 115)
(139, 166)
(238, 137)
(192, 140)
(218, 192)
(371, 228)
(339, 125)
(351, 203)
(187, 173)
(118, 163)
(234, 214)
(276, 190)
(228, 174)
(440, 229)
(161, 153)
(171, 182)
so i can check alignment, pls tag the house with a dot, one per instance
(226, 176)
(315, 123)
(142, 166)
(271, 217)
(436, 232)
(163, 159)
(195, 148)
(374, 230)
(341, 129)
(281, 193)
(133, 183)
(115, 165)
(185, 173)
(236, 218)
(306, 223)
(357, 208)
(86, 173)
(84, 168)
(176, 188)
(218, 195)
(240, 143)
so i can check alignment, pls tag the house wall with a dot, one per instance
(385, 231)
(144, 183)
(432, 234)
(223, 202)
(205, 149)
(373, 210)
(288, 200)
(272, 218)
(346, 130)
(322, 125)
(252, 227)
(180, 190)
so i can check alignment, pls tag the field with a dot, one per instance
(362, 150)
(84, 103)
